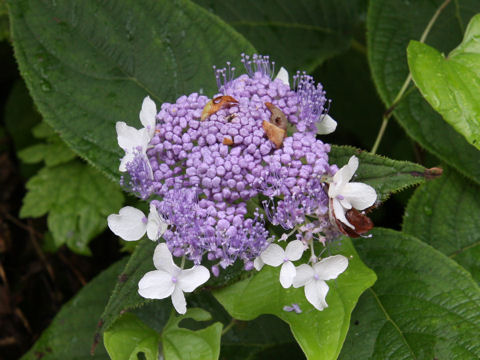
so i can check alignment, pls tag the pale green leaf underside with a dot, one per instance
(89, 64)
(391, 25)
(183, 344)
(71, 333)
(319, 333)
(128, 337)
(445, 214)
(423, 306)
(452, 85)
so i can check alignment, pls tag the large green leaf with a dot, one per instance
(452, 85)
(391, 25)
(70, 335)
(89, 64)
(77, 199)
(385, 175)
(297, 35)
(423, 306)
(444, 213)
(319, 333)
(185, 344)
(125, 295)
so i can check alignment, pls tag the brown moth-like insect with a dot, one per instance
(361, 222)
(216, 104)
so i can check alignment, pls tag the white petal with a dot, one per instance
(304, 274)
(294, 250)
(125, 160)
(287, 274)
(360, 195)
(273, 255)
(156, 226)
(342, 177)
(162, 259)
(156, 285)
(258, 263)
(178, 301)
(326, 125)
(189, 280)
(129, 224)
(329, 268)
(316, 292)
(283, 76)
(130, 138)
(339, 211)
(147, 115)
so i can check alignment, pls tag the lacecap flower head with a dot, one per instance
(200, 161)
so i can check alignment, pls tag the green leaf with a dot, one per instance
(87, 72)
(54, 152)
(125, 295)
(385, 175)
(184, 344)
(77, 199)
(282, 28)
(4, 24)
(391, 24)
(20, 116)
(451, 85)
(444, 214)
(423, 306)
(71, 333)
(319, 333)
(266, 337)
(128, 337)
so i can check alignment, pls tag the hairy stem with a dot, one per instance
(400, 96)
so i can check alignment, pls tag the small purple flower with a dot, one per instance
(294, 307)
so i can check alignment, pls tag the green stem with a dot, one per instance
(388, 114)
(229, 326)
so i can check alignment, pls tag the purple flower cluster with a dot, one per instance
(200, 174)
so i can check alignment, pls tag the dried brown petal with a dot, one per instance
(216, 104)
(227, 141)
(274, 133)
(278, 118)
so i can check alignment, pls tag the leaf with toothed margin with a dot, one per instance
(89, 64)
(385, 175)
(444, 213)
(280, 28)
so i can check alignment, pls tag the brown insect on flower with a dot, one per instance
(361, 222)
(276, 127)
(216, 104)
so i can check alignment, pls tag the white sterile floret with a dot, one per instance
(147, 116)
(170, 280)
(132, 141)
(258, 263)
(274, 255)
(313, 278)
(283, 76)
(326, 125)
(131, 224)
(345, 195)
